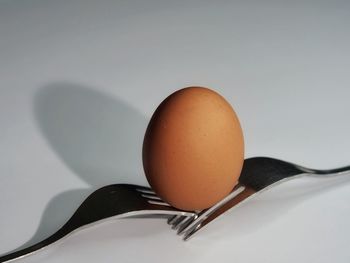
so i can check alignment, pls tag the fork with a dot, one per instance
(126, 200)
(258, 174)
(109, 202)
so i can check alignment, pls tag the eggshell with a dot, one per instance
(193, 149)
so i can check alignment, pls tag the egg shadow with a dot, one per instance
(97, 135)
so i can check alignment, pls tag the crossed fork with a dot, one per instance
(126, 200)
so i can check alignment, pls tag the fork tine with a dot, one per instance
(156, 202)
(203, 215)
(233, 202)
(152, 197)
(185, 224)
(173, 219)
(192, 231)
(178, 222)
(145, 191)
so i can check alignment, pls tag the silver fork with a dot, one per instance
(125, 200)
(258, 174)
(109, 202)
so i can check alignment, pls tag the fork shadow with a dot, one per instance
(98, 136)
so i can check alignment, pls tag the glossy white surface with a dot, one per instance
(79, 81)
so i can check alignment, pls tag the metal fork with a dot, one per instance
(109, 202)
(125, 200)
(258, 174)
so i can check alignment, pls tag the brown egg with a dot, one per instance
(193, 149)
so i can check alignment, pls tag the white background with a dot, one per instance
(79, 81)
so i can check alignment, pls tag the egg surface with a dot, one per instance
(193, 149)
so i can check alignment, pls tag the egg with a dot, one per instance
(193, 149)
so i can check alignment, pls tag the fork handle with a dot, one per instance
(88, 212)
(62, 232)
(261, 172)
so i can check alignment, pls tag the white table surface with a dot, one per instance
(79, 81)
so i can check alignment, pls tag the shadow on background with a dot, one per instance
(98, 136)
